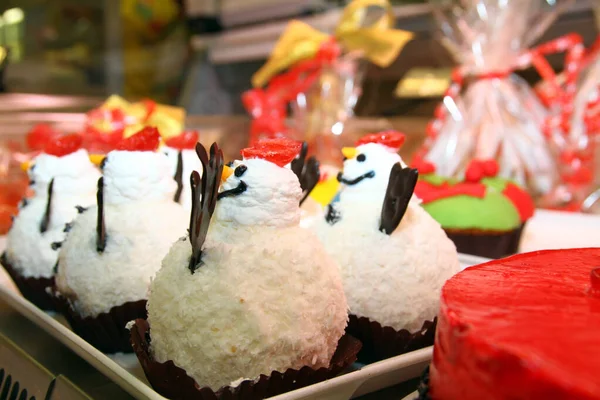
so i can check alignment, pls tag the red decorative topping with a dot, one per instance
(63, 145)
(95, 141)
(474, 172)
(145, 140)
(391, 139)
(278, 151)
(429, 193)
(39, 136)
(521, 200)
(150, 107)
(187, 140)
(479, 169)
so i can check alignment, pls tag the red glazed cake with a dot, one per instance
(525, 327)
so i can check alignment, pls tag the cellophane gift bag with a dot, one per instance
(488, 111)
(318, 76)
(573, 130)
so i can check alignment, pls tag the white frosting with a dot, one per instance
(393, 279)
(270, 200)
(267, 303)
(139, 234)
(191, 162)
(75, 182)
(137, 176)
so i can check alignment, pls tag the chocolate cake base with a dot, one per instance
(33, 289)
(381, 342)
(486, 243)
(174, 383)
(106, 331)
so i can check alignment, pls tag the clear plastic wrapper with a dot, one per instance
(319, 76)
(488, 111)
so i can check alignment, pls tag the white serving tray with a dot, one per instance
(126, 372)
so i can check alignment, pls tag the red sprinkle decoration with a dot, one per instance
(479, 169)
(63, 145)
(429, 193)
(185, 141)
(490, 168)
(145, 140)
(278, 151)
(391, 139)
(39, 136)
(521, 200)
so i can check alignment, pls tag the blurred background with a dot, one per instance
(201, 54)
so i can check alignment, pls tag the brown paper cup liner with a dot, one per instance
(106, 331)
(381, 342)
(487, 243)
(33, 289)
(173, 382)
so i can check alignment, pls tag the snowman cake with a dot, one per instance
(62, 178)
(253, 293)
(180, 151)
(393, 256)
(114, 247)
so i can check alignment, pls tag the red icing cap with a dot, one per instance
(95, 141)
(187, 140)
(145, 140)
(40, 135)
(392, 139)
(63, 145)
(278, 151)
(479, 169)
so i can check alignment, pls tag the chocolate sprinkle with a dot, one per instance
(100, 227)
(204, 199)
(46, 218)
(307, 171)
(80, 209)
(55, 268)
(68, 227)
(24, 203)
(179, 177)
(103, 163)
(56, 245)
(31, 182)
(401, 186)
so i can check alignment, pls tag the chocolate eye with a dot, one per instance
(103, 163)
(239, 171)
(361, 158)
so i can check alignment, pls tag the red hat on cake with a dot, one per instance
(277, 151)
(390, 139)
(64, 145)
(185, 141)
(146, 139)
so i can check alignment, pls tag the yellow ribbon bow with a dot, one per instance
(376, 40)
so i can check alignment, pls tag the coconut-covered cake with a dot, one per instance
(393, 256)
(115, 247)
(260, 294)
(62, 178)
(183, 158)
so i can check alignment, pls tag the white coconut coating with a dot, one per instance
(75, 178)
(139, 234)
(191, 162)
(137, 176)
(271, 302)
(392, 279)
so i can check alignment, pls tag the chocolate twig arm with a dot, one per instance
(401, 186)
(307, 171)
(178, 177)
(204, 199)
(100, 226)
(46, 218)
